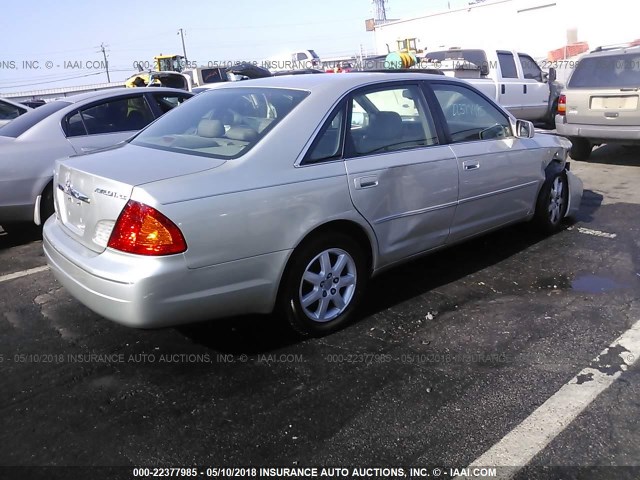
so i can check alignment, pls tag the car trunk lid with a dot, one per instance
(91, 190)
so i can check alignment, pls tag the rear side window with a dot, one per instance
(119, 115)
(24, 122)
(611, 71)
(9, 112)
(168, 101)
(507, 65)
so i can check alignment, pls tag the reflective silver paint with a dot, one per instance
(242, 219)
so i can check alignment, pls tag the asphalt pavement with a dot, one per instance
(450, 355)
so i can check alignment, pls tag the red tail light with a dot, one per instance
(562, 105)
(143, 230)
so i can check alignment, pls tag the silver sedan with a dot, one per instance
(289, 193)
(31, 143)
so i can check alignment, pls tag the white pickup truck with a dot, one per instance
(512, 79)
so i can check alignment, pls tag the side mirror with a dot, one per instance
(552, 75)
(524, 129)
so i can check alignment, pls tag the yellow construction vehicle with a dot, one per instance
(169, 63)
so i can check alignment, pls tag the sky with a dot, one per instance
(57, 44)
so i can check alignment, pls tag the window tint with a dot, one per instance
(17, 127)
(507, 65)
(390, 119)
(74, 126)
(221, 123)
(9, 112)
(469, 116)
(530, 68)
(121, 115)
(611, 71)
(327, 145)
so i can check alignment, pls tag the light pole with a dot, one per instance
(184, 50)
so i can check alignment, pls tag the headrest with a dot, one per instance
(386, 125)
(245, 134)
(210, 128)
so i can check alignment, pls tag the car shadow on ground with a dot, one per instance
(13, 235)
(256, 334)
(615, 155)
(591, 202)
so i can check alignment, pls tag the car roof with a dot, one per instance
(339, 81)
(605, 52)
(110, 92)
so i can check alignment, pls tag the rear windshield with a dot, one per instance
(17, 127)
(222, 123)
(614, 71)
(477, 57)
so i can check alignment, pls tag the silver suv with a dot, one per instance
(600, 103)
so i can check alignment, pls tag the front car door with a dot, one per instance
(499, 173)
(401, 179)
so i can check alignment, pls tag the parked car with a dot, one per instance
(10, 110)
(34, 103)
(30, 144)
(271, 194)
(511, 78)
(600, 103)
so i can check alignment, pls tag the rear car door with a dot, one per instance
(499, 173)
(604, 90)
(401, 179)
(510, 87)
(107, 122)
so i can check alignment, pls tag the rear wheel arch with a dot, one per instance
(336, 234)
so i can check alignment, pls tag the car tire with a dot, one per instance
(580, 148)
(323, 284)
(46, 204)
(552, 203)
(551, 116)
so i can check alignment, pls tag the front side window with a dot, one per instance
(390, 119)
(221, 123)
(530, 68)
(469, 116)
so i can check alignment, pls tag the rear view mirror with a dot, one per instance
(552, 75)
(524, 129)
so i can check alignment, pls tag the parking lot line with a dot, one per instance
(529, 438)
(23, 273)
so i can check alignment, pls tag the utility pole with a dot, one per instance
(184, 50)
(106, 63)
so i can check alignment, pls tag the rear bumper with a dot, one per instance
(151, 292)
(598, 133)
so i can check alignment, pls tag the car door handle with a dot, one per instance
(470, 165)
(366, 182)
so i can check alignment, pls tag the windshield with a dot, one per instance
(17, 127)
(222, 123)
(611, 71)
